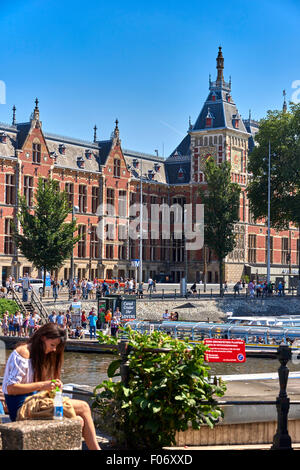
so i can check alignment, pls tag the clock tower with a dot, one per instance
(219, 133)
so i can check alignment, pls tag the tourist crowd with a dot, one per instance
(258, 288)
(21, 325)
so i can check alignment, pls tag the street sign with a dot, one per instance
(135, 263)
(225, 350)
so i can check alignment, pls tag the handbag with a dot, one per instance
(41, 406)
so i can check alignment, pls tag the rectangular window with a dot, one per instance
(8, 239)
(110, 201)
(28, 190)
(122, 203)
(117, 167)
(110, 231)
(122, 232)
(251, 217)
(69, 188)
(82, 198)
(109, 251)
(284, 250)
(122, 251)
(153, 256)
(252, 248)
(10, 189)
(95, 198)
(36, 153)
(82, 241)
(164, 249)
(94, 245)
(132, 198)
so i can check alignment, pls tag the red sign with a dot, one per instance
(225, 350)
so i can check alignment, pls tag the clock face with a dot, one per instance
(205, 154)
(236, 159)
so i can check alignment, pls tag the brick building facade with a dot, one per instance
(103, 181)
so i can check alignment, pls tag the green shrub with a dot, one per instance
(8, 305)
(166, 392)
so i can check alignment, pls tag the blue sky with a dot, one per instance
(145, 63)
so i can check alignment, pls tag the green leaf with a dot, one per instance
(113, 366)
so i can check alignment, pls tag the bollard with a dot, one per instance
(199, 293)
(282, 440)
(175, 292)
(163, 293)
(211, 292)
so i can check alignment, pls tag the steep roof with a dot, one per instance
(223, 111)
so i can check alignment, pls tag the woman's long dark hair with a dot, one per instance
(47, 366)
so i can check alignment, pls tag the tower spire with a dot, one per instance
(220, 66)
(14, 116)
(36, 112)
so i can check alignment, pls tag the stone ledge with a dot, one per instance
(41, 435)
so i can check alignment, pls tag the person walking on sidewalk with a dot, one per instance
(92, 318)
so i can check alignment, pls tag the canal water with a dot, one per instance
(90, 368)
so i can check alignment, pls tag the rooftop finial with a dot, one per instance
(116, 131)
(95, 133)
(36, 113)
(284, 106)
(14, 116)
(220, 66)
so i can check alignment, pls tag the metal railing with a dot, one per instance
(17, 299)
(38, 305)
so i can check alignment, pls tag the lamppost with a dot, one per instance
(90, 232)
(269, 211)
(140, 265)
(75, 209)
(141, 225)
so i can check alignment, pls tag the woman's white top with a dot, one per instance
(18, 370)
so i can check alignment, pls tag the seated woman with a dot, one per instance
(174, 316)
(31, 368)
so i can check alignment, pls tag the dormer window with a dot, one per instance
(62, 149)
(88, 154)
(213, 96)
(54, 156)
(156, 167)
(228, 97)
(209, 119)
(135, 163)
(180, 173)
(235, 121)
(80, 162)
(150, 174)
(3, 138)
